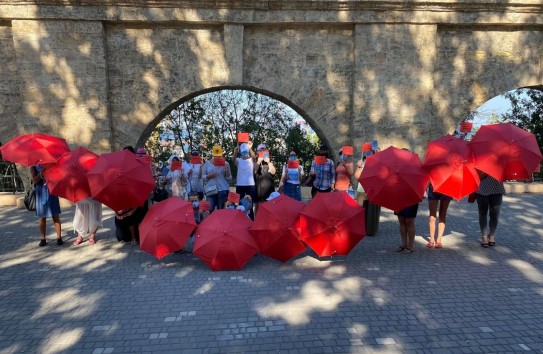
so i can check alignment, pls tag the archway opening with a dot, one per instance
(215, 117)
(522, 107)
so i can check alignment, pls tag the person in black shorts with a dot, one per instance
(406, 217)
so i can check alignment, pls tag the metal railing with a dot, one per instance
(10, 180)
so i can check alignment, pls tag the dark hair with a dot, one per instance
(129, 148)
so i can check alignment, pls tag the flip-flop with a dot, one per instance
(439, 245)
(430, 245)
(400, 249)
(407, 251)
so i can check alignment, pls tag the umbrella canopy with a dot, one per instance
(223, 241)
(34, 149)
(68, 177)
(275, 229)
(394, 178)
(120, 180)
(505, 151)
(166, 227)
(332, 224)
(449, 164)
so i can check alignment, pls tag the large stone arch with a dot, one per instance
(403, 73)
(146, 133)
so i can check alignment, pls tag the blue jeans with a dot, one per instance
(250, 191)
(217, 200)
(293, 190)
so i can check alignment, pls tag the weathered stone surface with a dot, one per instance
(103, 73)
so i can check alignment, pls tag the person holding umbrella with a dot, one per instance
(87, 220)
(442, 201)
(489, 200)
(47, 205)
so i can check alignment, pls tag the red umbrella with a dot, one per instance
(223, 240)
(505, 151)
(166, 227)
(449, 163)
(68, 177)
(332, 224)
(120, 180)
(34, 149)
(394, 178)
(275, 229)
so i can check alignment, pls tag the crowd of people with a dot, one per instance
(197, 181)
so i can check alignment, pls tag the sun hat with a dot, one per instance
(195, 153)
(273, 195)
(216, 151)
(261, 147)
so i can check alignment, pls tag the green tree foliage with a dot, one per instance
(527, 112)
(217, 117)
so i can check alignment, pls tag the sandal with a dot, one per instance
(439, 245)
(400, 249)
(78, 240)
(491, 243)
(407, 251)
(430, 245)
(484, 244)
(92, 241)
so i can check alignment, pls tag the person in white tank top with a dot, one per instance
(245, 180)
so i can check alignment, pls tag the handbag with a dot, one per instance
(309, 181)
(210, 190)
(30, 199)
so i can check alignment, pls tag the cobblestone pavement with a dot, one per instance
(113, 298)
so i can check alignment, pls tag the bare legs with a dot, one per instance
(43, 228)
(433, 206)
(407, 232)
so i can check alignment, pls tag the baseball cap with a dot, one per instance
(195, 153)
(273, 195)
(261, 147)
(243, 147)
(141, 151)
(216, 151)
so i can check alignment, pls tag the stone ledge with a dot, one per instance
(10, 199)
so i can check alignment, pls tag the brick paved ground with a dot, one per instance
(113, 298)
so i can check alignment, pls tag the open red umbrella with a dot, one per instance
(68, 177)
(505, 151)
(449, 163)
(275, 229)
(332, 224)
(166, 227)
(223, 241)
(34, 149)
(120, 180)
(394, 178)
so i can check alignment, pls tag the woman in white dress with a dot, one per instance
(87, 220)
(176, 178)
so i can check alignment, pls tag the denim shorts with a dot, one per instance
(436, 196)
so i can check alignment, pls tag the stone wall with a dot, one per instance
(102, 74)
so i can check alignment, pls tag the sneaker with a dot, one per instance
(43, 242)
(59, 241)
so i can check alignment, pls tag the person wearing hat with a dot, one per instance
(265, 170)
(245, 180)
(292, 177)
(325, 174)
(195, 185)
(217, 179)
